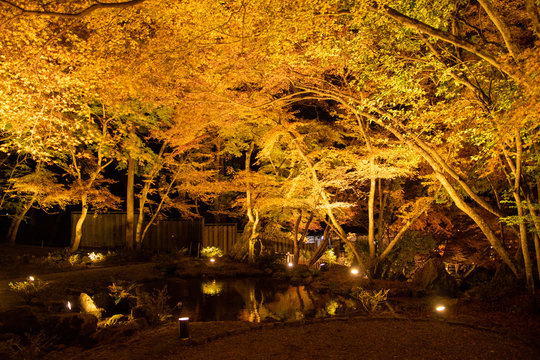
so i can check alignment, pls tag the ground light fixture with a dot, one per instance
(69, 305)
(440, 308)
(183, 328)
(354, 271)
(31, 278)
(212, 260)
(290, 264)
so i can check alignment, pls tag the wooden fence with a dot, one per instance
(223, 236)
(109, 230)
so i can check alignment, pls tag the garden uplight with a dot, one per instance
(31, 278)
(212, 260)
(440, 308)
(183, 327)
(69, 305)
(354, 271)
(290, 264)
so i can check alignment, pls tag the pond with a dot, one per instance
(248, 299)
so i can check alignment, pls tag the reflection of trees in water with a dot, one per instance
(289, 304)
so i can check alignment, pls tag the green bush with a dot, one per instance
(329, 257)
(211, 251)
(29, 289)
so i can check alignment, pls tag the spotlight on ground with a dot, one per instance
(354, 271)
(440, 308)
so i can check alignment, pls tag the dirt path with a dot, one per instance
(353, 338)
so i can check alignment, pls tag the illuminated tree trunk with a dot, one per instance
(326, 202)
(321, 249)
(522, 227)
(17, 219)
(411, 220)
(246, 245)
(371, 213)
(80, 222)
(130, 209)
(299, 240)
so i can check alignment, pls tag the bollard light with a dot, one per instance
(183, 328)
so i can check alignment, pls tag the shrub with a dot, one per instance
(29, 289)
(211, 251)
(329, 257)
(122, 290)
(370, 299)
(156, 305)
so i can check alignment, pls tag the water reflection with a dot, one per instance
(254, 300)
(212, 287)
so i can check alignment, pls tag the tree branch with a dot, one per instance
(444, 36)
(501, 26)
(75, 14)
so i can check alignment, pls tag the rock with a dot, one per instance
(433, 276)
(19, 321)
(88, 305)
(144, 312)
(66, 328)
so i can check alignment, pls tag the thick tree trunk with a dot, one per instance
(16, 221)
(80, 222)
(130, 208)
(321, 249)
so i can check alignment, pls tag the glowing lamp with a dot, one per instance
(69, 305)
(354, 271)
(183, 328)
(212, 260)
(290, 264)
(440, 308)
(31, 278)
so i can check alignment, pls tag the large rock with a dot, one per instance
(433, 277)
(88, 305)
(19, 321)
(69, 327)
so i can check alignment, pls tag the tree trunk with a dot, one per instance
(501, 26)
(532, 10)
(321, 248)
(80, 222)
(130, 209)
(521, 215)
(412, 219)
(371, 214)
(16, 221)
